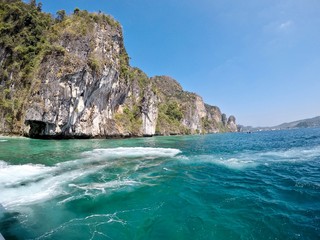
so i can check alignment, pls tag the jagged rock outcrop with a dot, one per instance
(78, 104)
(149, 111)
(183, 112)
(231, 124)
(82, 86)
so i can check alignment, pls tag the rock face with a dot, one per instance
(149, 111)
(232, 124)
(75, 97)
(84, 87)
(182, 112)
(78, 104)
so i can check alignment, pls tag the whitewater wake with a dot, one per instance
(30, 183)
(251, 159)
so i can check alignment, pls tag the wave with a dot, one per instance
(29, 183)
(3, 140)
(294, 154)
(250, 159)
(133, 152)
(236, 162)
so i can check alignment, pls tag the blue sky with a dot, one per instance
(256, 59)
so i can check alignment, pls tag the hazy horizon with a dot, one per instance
(257, 61)
(281, 122)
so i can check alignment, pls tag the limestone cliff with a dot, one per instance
(182, 112)
(80, 84)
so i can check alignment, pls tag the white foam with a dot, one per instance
(43, 183)
(3, 140)
(237, 162)
(3, 164)
(16, 174)
(134, 152)
(30, 183)
(294, 154)
(252, 159)
(103, 187)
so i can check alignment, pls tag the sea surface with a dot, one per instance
(263, 185)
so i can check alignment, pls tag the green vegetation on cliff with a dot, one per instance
(130, 120)
(29, 37)
(69, 76)
(22, 44)
(169, 120)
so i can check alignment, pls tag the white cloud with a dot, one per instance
(285, 25)
(279, 27)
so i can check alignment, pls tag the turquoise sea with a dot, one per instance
(262, 185)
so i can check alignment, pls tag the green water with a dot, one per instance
(223, 186)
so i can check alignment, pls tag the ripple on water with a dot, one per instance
(29, 183)
(225, 186)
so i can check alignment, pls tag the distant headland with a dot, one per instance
(305, 123)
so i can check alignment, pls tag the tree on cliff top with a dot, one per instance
(61, 14)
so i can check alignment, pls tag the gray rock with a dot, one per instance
(87, 89)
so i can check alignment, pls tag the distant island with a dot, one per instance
(305, 123)
(69, 77)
